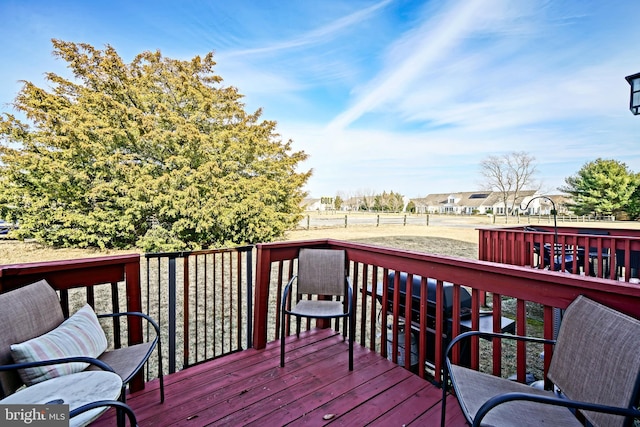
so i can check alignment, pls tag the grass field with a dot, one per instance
(459, 239)
(446, 235)
(453, 236)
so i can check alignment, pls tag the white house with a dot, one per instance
(482, 202)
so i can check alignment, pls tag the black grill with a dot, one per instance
(465, 297)
(465, 310)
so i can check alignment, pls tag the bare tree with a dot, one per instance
(509, 174)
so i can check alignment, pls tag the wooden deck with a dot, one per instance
(249, 388)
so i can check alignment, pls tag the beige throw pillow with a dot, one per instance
(79, 335)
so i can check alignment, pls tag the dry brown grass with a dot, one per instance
(15, 252)
(420, 238)
(453, 236)
(460, 233)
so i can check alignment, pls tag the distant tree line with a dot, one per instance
(366, 201)
(600, 187)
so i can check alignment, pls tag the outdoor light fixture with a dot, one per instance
(634, 102)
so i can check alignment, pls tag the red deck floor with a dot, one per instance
(249, 388)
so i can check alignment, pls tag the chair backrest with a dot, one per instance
(25, 313)
(597, 358)
(321, 271)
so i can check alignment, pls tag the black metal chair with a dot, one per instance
(595, 364)
(590, 255)
(321, 272)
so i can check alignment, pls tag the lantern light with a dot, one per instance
(634, 101)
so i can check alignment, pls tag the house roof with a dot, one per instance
(471, 199)
(308, 201)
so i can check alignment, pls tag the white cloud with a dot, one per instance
(419, 51)
(397, 95)
(316, 36)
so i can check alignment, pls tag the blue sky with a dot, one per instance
(396, 95)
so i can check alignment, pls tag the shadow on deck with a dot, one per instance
(249, 388)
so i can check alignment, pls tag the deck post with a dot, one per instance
(261, 302)
(134, 324)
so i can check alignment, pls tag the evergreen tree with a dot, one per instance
(156, 153)
(601, 187)
(337, 203)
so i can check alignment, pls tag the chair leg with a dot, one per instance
(346, 326)
(351, 339)
(128, 412)
(282, 340)
(122, 410)
(160, 377)
(120, 415)
(445, 379)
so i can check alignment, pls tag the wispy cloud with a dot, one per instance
(317, 36)
(429, 43)
(402, 95)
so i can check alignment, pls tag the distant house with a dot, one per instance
(352, 204)
(543, 206)
(464, 203)
(461, 203)
(310, 204)
(563, 203)
(524, 197)
(483, 202)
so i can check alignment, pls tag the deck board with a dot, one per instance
(413, 407)
(250, 388)
(383, 402)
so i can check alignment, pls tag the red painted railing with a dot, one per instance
(68, 276)
(369, 271)
(606, 253)
(369, 266)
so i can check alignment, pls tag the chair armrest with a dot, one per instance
(133, 313)
(120, 406)
(349, 296)
(83, 359)
(287, 290)
(510, 397)
(495, 335)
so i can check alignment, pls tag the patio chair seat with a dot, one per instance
(595, 363)
(125, 361)
(322, 274)
(480, 387)
(88, 394)
(318, 309)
